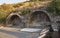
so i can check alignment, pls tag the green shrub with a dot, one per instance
(54, 7)
(25, 10)
(3, 16)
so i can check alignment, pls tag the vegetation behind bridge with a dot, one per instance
(54, 7)
(6, 9)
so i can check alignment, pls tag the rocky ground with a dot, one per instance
(8, 32)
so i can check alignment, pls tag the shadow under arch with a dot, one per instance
(40, 17)
(15, 20)
(41, 14)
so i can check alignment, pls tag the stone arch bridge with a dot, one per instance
(31, 19)
(36, 17)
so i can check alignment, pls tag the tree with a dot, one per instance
(54, 7)
(25, 10)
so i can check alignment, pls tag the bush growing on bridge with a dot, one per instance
(25, 10)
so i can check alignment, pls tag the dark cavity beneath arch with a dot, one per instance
(15, 21)
(42, 16)
(39, 19)
(15, 17)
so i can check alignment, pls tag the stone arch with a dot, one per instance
(43, 17)
(14, 19)
(40, 12)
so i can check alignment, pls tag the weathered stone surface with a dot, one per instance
(25, 19)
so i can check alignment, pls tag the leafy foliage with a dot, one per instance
(4, 11)
(3, 15)
(54, 7)
(25, 10)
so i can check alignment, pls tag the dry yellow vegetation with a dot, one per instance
(6, 9)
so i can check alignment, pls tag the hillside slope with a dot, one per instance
(6, 9)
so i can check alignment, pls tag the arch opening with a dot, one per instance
(39, 18)
(15, 21)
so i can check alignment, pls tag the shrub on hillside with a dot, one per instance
(54, 7)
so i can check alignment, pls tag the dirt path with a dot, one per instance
(7, 32)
